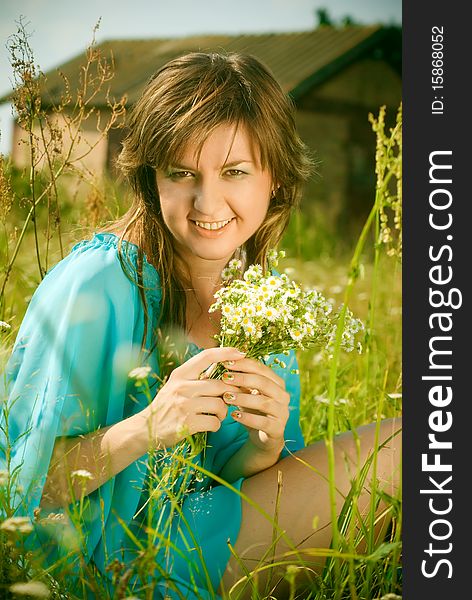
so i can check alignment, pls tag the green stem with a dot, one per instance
(354, 269)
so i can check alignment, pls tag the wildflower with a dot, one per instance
(234, 319)
(139, 373)
(285, 314)
(296, 334)
(17, 524)
(226, 274)
(4, 326)
(273, 257)
(37, 589)
(3, 477)
(81, 474)
(249, 327)
(235, 264)
(271, 314)
(226, 310)
(292, 292)
(253, 273)
(274, 282)
(249, 310)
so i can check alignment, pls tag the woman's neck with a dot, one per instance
(204, 279)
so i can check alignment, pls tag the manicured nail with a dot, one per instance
(236, 414)
(229, 397)
(228, 377)
(242, 353)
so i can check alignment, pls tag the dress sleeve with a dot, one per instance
(67, 374)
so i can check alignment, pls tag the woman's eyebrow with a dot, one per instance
(237, 162)
(233, 163)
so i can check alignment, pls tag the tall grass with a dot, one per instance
(338, 394)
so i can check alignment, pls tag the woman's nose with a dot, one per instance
(209, 197)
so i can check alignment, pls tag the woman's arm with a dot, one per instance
(184, 405)
(102, 453)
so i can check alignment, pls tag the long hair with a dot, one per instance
(186, 100)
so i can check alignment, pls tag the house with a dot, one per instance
(336, 76)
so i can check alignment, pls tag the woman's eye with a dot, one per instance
(234, 172)
(180, 174)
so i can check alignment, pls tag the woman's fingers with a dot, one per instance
(273, 428)
(192, 368)
(251, 365)
(260, 403)
(210, 406)
(254, 381)
(204, 423)
(207, 387)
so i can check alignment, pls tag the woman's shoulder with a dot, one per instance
(102, 262)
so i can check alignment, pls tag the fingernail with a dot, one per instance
(227, 377)
(229, 363)
(240, 352)
(229, 397)
(236, 414)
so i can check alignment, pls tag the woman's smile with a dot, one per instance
(213, 230)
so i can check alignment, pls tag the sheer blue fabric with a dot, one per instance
(68, 375)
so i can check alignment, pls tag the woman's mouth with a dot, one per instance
(212, 229)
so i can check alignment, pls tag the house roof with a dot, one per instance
(299, 61)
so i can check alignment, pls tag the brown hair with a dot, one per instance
(186, 100)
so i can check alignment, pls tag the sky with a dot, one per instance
(61, 30)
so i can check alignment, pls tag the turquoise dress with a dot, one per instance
(68, 375)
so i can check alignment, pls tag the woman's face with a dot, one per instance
(214, 206)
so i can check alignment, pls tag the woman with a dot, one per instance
(216, 166)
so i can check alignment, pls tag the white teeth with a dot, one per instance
(217, 225)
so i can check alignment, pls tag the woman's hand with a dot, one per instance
(263, 402)
(186, 404)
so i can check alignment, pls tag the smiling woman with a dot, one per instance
(216, 167)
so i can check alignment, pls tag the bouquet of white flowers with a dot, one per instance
(271, 314)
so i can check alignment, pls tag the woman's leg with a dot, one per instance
(305, 496)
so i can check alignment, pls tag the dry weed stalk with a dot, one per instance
(54, 136)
